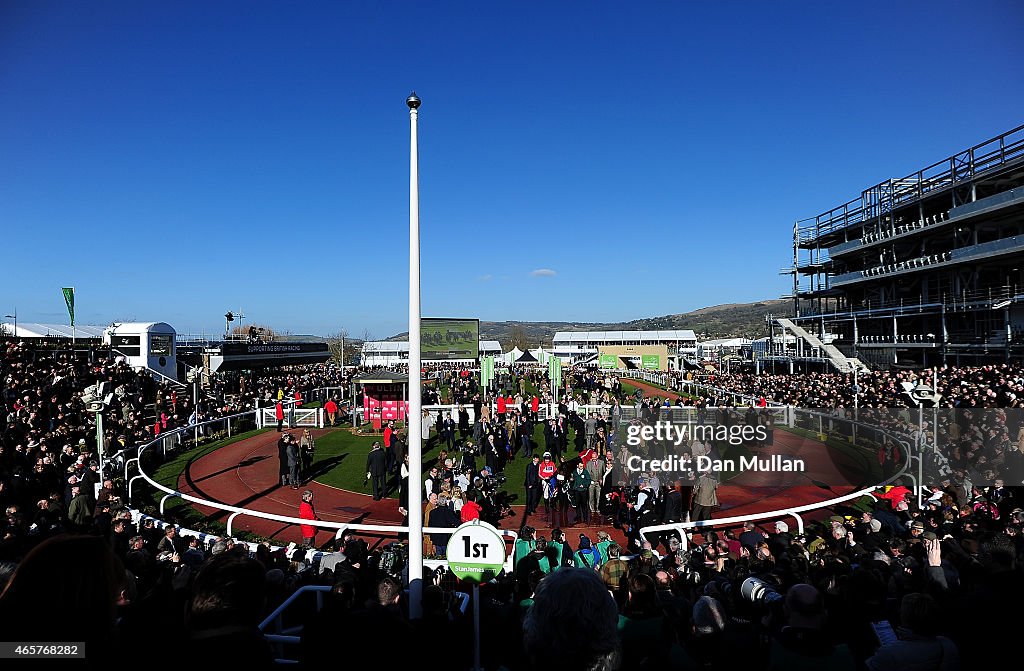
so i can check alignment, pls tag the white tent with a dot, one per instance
(509, 358)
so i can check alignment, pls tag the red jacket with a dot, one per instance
(306, 512)
(331, 407)
(586, 455)
(535, 404)
(471, 511)
(279, 411)
(547, 469)
(501, 405)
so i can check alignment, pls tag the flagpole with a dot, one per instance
(412, 417)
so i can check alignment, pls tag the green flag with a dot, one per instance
(69, 298)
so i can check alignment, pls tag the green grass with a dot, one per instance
(344, 454)
(340, 459)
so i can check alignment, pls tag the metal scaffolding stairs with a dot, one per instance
(842, 363)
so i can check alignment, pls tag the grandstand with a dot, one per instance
(392, 353)
(582, 347)
(923, 270)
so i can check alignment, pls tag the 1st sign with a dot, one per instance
(476, 552)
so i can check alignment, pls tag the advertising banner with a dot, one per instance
(650, 362)
(608, 361)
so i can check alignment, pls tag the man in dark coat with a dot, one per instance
(550, 442)
(377, 470)
(674, 511)
(533, 486)
(448, 431)
(282, 458)
(294, 462)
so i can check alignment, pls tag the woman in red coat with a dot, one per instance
(279, 415)
(307, 512)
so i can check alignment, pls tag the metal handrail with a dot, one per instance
(882, 198)
(340, 527)
(739, 519)
(164, 436)
(795, 511)
(679, 526)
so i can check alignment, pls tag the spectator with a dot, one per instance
(919, 646)
(572, 624)
(226, 605)
(307, 512)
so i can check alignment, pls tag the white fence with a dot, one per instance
(312, 418)
(172, 438)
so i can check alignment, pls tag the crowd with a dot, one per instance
(891, 584)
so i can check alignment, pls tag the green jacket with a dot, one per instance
(581, 481)
(80, 510)
(523, 548)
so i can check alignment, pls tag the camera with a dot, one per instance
(492, 482)
(757, 591)
(393, 559)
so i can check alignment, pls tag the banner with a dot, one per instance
(486, 371)
(69, 298)
(555, 372)
(607, 361)
(650, 361)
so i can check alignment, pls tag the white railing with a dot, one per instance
(294, 417)
(790, 416)
(339, 527)
(795, 512)
(739, 519)
(175, 437)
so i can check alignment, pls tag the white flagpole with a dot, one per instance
(412, 418)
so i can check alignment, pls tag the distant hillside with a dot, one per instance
(733, 320)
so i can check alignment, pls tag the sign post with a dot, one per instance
(476, 553)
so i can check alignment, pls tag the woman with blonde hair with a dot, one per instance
(458, 498)
(307, 446)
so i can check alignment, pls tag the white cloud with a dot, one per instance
(485, 278)
(543, 272)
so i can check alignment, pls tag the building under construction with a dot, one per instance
(919, 271)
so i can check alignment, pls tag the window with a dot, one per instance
(161, 345)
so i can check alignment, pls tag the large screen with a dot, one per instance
(448, 339)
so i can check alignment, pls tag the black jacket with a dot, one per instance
(442, 517)
(673, 507)
(532, 474)
(376, 462)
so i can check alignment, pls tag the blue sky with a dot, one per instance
(173, 161)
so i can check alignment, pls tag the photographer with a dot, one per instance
(494, 504)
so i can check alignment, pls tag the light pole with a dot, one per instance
(15, 318)
(412, 417)
(856, 396)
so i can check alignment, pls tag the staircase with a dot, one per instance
(842, 363)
